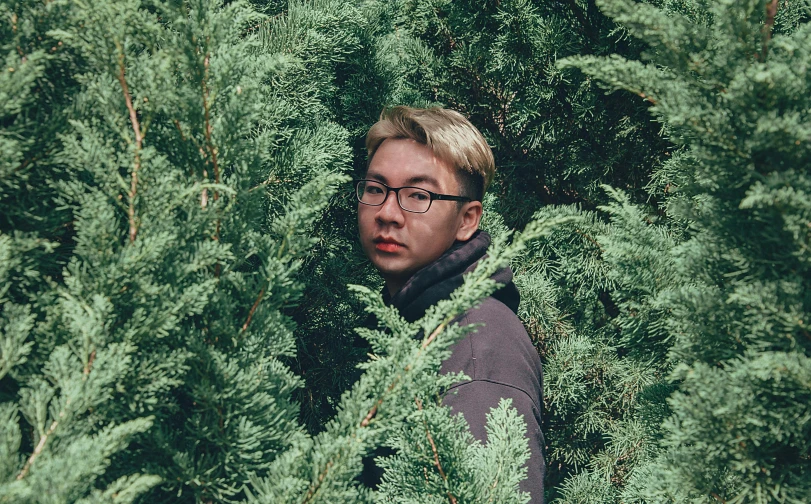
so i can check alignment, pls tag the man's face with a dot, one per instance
(399, 243)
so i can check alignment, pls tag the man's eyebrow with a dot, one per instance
(423, 179)
(419, 179)
(375, 176)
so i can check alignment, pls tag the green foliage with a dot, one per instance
(423, 471)
(174, 250)
(715, 290)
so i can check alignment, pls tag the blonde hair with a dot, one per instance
(451, 137)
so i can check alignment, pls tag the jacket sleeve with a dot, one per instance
(474, 399)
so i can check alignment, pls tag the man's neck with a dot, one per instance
(393, 286)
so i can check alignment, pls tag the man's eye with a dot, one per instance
(373, 190)
(419, 196)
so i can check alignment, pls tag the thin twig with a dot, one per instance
(768, 26)
(177, 125)
(25, 163)
(373, 411)
(212, 150)
(136, 127)
(589, 238)
(315, 488)
(89, 364)
(451, 497)
(41, 445)
(432, 337)
(37, 451)
(647, 98)
(253, 309)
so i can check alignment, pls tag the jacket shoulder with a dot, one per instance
(499, 351)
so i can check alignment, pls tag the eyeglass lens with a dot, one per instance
(411, 199)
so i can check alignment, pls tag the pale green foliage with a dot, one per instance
(145, 334)
(720, 286)
(437, 458)
(163, 321)
(595, 376)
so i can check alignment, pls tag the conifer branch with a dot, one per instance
(442, 474)
(433, 335)
(768, 26)
(136, 128)
(37, 450)
(373, 410)
(372, 413)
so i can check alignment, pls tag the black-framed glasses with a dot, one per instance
(410, 199)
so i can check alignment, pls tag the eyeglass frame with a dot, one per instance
(433, 195)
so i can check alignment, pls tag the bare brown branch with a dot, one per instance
(41, 445)
(451, 497)
(89, 364)
(136, 128)
(253, 309)
(314, 489)
(212, 150)
(768, 27)
(647, 98)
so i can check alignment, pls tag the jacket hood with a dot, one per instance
(439, 279)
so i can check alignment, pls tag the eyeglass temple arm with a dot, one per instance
(451, 198)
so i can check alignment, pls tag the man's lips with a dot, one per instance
(387, 244)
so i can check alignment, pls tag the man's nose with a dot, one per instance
(390, 210)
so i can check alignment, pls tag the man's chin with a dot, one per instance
(395, 273)
(391, 272)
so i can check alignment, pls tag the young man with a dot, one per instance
(419, 208)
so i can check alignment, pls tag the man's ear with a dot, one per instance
(470, 216)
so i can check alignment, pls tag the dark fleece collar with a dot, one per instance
(437, 280)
